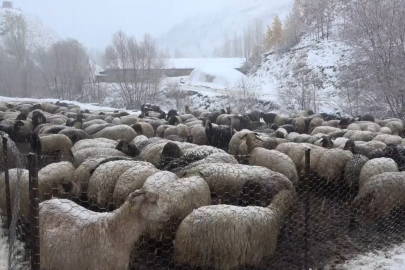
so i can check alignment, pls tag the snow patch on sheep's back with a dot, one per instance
(82, 215)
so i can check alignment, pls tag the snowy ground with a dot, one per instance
(392, 259)
(3, 248)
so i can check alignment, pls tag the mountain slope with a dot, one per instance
(200, 35)
(318, 60)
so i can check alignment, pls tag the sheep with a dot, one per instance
(325, 130)
(99, 143)
(131, 180)
(380, 195)
(182, 196)
(188, 156)
(74, 134)
(353, 169)
(119, 132)
(324, 142)
(93, 129)
(213, 158)
(218, 136)
(180, 130)
(396, 127)
(198, 134)
(93, 122)
(95, 240)
(56, 175)
(331, 164)
(143, 128)
(301, 124)
(127, 148)
(376, 166)
(153, 152)
(268, 118)
(388, 139)
(83, 173)
(226, 180)
(227, 237)
(102, 182)
(50, 144)
(271, 159)
(364, 136)
(368, 148)
(93, 152)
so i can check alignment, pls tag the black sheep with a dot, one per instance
(38, 118)
(214, 115)
(62, 104)
(171, 113)
(366, 117)
(218, 136)
(289, 128)
(127, 148)
(21, 116)
(268, 118)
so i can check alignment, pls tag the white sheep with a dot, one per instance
(73, 237)
(94, 152)
(119, 132)
(376, 166)
(271, 159)
(380, 195)
(132, 179)
(228, 237)
(103, 180)
(182, 196)
(97, 143)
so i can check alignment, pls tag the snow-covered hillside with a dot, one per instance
(322, 59)
(40, 35)
(200, 35)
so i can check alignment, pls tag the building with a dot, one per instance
(175, 68)
(7, 4)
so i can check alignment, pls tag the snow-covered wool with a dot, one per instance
(227, 237)
(103, 181)
(182, 196)
(73, 237)
(119, 132)
(131, 180)
(376, 166)
(94, 152)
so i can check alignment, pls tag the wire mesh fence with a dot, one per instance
(307, 209)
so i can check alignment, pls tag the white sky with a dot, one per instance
(93, 22)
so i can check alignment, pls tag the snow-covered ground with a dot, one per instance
(83, 106)
(3, 248)
(391, 259)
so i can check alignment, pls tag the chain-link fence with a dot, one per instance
(300, 207)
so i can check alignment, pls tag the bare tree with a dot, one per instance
(173, 91)
(66, 68)
(137, 68)
(376, 33)
(301, 91)
(243, 95)
(15, 36)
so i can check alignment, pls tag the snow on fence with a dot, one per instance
(221, 216)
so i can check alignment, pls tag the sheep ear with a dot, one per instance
(137, 197)
(244, 136)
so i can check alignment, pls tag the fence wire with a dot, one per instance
(300, 207)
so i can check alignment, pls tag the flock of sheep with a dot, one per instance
(219, 184)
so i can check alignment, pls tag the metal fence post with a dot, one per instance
(34, 211)
(7, 182)
(307, 204)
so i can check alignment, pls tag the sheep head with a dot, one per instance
(148, 205)
(251, 141)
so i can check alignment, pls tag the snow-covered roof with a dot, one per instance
(204, 62)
